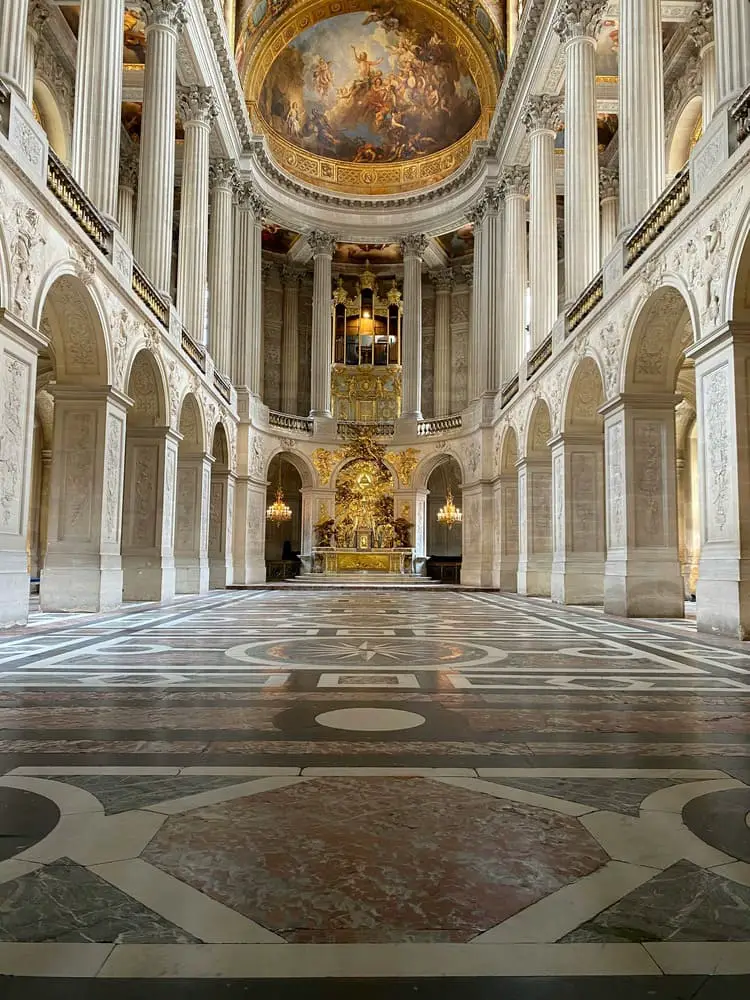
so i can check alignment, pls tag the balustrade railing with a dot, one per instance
(659, 216)
(438, 425)
(74, 199)
(740, 112)
(586, 302)
(539, 356)
(288, 422)
(195, 351)
(223, 386)
(149, 295)
(377, 428)
(508, 391)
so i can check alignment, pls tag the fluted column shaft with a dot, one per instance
(641, 109)
(13, 17)
(222, 175)
(323, 245)
(413, 248)
(98, 103)
(610, 195)
(248, 321)
(542, 120)
(442, 365)
(230, 12)
(479, 325)
(153, 241)
(732, 27)
(578, 24)
(290, 341)
(493, 264)
(38, 14)
(126, 197)
(701, 28)
(515, 272)
(198, 111)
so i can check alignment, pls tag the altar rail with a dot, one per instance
(378, 428)
(288, 422)
(658, 217)
(438, 425)
(74, 199)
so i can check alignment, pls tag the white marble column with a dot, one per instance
(542, 119)
(322, 245)
(701, 27)
(642, 576)
(478, 534)
(222, 178)
(13, 19)
(534, 526)
(479, 325)
(494, 264)
(153, 237)
(83, 567)
(732, 30)
(126, 193)
(39, 11)
(609, 191)
(291, 278)
(515, 184)
(505, 562)
(248, 318)
(578, 519)
(578, 24)
(413, 248)
(198, 110)
(642, 143)
(443, 281)
(98, 102)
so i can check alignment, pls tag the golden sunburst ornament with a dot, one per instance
(449, 514)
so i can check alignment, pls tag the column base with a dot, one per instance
(191, 575)
(253, 571)
(70, 586)
(475, 573)
(578, 580)
(220, 574)
(505, 575)
(148, 578)
(649, 587)
(723, 598)
(14, 589)
(534, 576)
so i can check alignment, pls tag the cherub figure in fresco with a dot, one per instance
(293, 124)
(366, 153)
(322, 76)
(385, 17)
(365, 65)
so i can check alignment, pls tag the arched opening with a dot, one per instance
(505, 576)
(643, 576)
(150, 454)
(80, 517)
(535, 506)
(578, 491)
(444, 538)
(283, 537)
(687, 132)
(688, 494)
(191, 505)
(221, 512)
(47, 113)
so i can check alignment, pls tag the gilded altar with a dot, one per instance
(334, 561)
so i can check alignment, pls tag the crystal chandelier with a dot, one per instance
(449, 514)
(279, 511)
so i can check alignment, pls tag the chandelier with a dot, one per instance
(449, 514)
(279, 511)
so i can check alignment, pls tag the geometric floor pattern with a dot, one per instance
(430, 794)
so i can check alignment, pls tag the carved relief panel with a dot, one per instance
(14, 402)
(78, 450)
(720, 519)
(615, 466)
(649, 482)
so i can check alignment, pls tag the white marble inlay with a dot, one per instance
(370, 720)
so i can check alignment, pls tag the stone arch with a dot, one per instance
(508, 452)
(52, 119)
(443, 546)
(300, 463)
(284, 541)
(737, 292)
(191, 425)
(70, 314)
(683, 135)
(662, 329)
(5, 283)
(220, 448)
(584, 397)
(147, 388)
(427, 466)
(538, 430)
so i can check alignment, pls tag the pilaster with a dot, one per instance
(222, 178)
(505, 562)
(191, 524)
(248, 322)
(443, 281)
(534, 527)
(323, 245)
(220, 530)
(515, 186)
(413, 248)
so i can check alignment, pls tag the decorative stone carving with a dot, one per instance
(542, 113)
(222, 173)
(515, 180)
(610, 341)
(112, 477)
(473, 457)
(476, 215)
(143, 522)
(648, 459)
(442, 279)
(609, 183)
(167, 13)
(716, 422)
(256, 461)
(197, 105)
(129, 166)
(321, 243)
(168, 519)
(79, 435)
(701, 25)
(404, 462)
(579, 18)
(414, 245)
(24, 256)
(248, 200)
(615, 460)
(14, 389)
(324, 462)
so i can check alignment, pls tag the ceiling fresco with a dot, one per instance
(369, 96)
(458, 243)
(275, 239)
(367, 253)
(134, 32)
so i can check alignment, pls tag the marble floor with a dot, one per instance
(370, 794)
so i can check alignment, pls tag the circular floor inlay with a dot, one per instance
(370, 720)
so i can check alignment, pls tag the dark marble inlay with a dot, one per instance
(623, 795)
(683, 903)
(64, 902)
(118, 793)
(25, 819)
(721, 819)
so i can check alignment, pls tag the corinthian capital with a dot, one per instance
(701, 25)
(443, 279)
(414, 245)
(609, 183)
(321, 243)
(248, 199)
(542, 113)
(515, 180)
(222, 173)
(579, 18)
(166, 13)
(477, 212)
(197, 105)
(129, 168)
